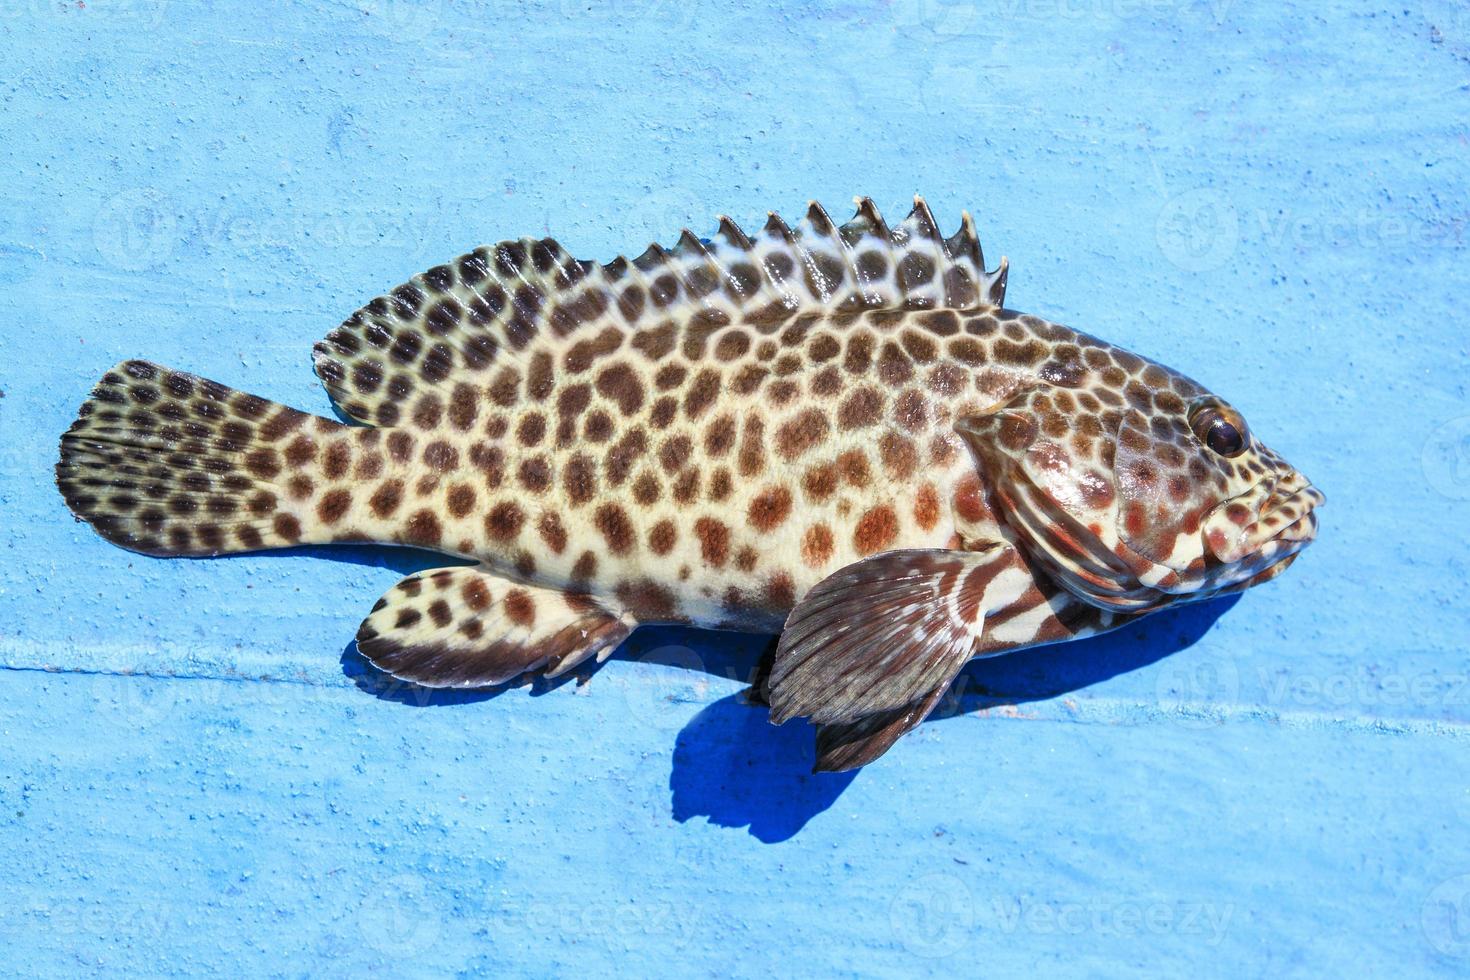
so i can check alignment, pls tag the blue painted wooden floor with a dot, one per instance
(198, 774)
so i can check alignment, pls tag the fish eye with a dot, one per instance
(1221, 428)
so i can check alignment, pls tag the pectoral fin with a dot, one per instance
(869, 651)
(843, 747)
(467, 627)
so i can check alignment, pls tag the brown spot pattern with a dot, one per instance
(875, 530)
(769, 508)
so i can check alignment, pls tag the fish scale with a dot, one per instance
(839, 430)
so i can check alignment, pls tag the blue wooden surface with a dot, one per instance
(199, 775)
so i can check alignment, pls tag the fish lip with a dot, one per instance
(1264, 561)
(1303, 529)
(1300, 505)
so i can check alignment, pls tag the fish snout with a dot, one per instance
(1274, 512)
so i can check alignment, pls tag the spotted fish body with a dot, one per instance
(836, 430)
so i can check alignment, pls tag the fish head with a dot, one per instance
(1136, 487)
(1205, 502)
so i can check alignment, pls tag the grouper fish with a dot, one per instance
(835, 433)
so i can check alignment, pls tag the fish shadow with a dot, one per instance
(735, 769)
(1043, 673)
(401, 559)
(730, 765)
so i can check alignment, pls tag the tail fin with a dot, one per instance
(165, 463)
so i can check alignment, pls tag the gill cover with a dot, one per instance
(1048, 461)
(1166, 488)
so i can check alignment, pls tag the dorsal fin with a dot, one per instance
(458, 322)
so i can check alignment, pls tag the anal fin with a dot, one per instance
(870, 650)
(468, 627)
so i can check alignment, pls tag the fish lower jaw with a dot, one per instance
(1291, 518)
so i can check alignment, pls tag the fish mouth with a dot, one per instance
(1248, 540)
(1255, 537)
(1271, 520)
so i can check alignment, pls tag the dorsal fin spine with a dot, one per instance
(733, 234)
(868, 211)
(652, 256)
(522, 262)
(921, 220)
(818, 227)
(689, 244)
(998, 278)
(776, 227)
(964, 243)
(819, 221)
